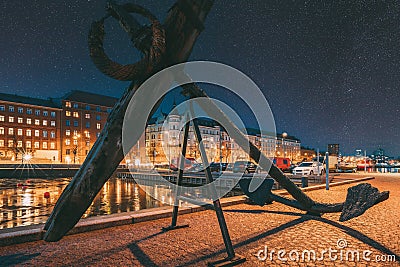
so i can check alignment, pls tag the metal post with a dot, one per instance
(318, 163)
(220, 150)
(365, 161)
(327, 169)
(179, 181)
(217, 204)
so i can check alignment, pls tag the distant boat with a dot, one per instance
(361, 164)
(381, 164)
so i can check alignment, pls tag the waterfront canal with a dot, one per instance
(30, 201)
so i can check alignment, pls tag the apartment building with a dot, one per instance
(29, 126)
(83, 117)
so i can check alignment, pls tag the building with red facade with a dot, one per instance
(83, 117)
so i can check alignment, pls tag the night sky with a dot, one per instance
(329, 69)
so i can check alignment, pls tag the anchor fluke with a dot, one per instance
(360, 198)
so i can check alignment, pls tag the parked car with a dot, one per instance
(282, 163)
(309, 168)
(244, 167)
(215, 166)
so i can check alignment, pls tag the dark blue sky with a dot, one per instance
(330, 70)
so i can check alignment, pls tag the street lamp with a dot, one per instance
(284, 135)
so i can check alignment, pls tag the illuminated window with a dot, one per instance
(10, 131)
(45, 113)
(20, 110)
(98, 126)
(11, 108)
(28, 121)
(67, 113)
(87, 134)
(28, 144)
(20, 120)
(87, 143)
(36, 145)
(28, 132)
(87, 115)
(10, 119)
(1, 143)
(53, 123)
(75, 141)
(29, 111)
(37, 122)
(75, 132)
(75, 114)
(19, 143)
(44, 123)
(68, 104)
(44, 145)
(52, 145)
(67, 142)
(37, 133)
(10, 143)
(37, 112)
(67, 132)
(1, 118)
(67, 151)
(19, 131)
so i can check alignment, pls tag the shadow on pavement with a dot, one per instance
(141, 256)
(16, 259)
(250, 240)
(360, 236)
(354, 233)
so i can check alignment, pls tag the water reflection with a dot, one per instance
(31, 201)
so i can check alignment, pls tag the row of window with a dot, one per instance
(76, 124)
(68, 151)
(28, 121)
(29, 111)
(68, 104)
(28, 144)
(75, 142)
(75, 133)
(28, 132)
(76, 115)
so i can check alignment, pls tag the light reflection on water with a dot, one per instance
(23, 202)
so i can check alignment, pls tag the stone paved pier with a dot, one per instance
(252, 229)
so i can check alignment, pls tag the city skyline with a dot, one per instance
(330, 71)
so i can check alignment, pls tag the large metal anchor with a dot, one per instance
(163, 46)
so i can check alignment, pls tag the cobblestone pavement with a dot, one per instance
(252, 228)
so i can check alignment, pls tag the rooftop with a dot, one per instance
(90, 98)
(28, 100)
